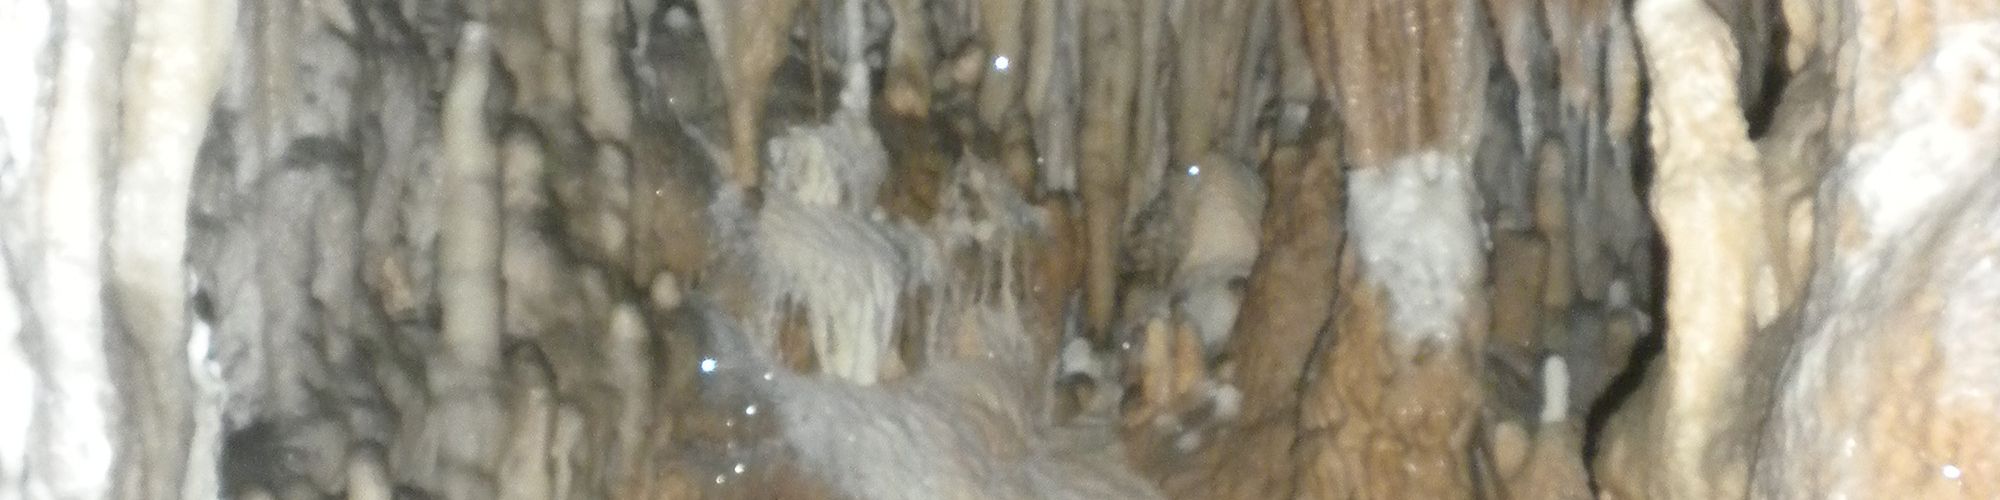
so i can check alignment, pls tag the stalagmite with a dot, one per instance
(1211, 37)
(1001, 27)
(1110, 67)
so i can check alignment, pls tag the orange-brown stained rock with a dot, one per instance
(1003, 31)
(1291, 286)
(1552, 221)
(1285, 310)
(1406, 74)
(1155, 373)
(918, 158)
(1373, 426)
(669, 209)
(795, 348)
(1190, 365)
(1212, 36)
(1057, 273)
(1550, 466)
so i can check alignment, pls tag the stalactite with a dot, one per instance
(1109, 38)
(464, 418)
(1061, 249)
(746, 37)
(1212, 39)
(1052, 92)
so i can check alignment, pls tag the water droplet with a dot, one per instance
(1951, 471)
(739, 468)
(708, 365)
(1194, 170)
(718, 479)
(750, 410)
(767, 375)
(1001, 63)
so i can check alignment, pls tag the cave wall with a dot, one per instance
(975, 248)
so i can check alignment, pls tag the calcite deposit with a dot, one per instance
(1090, 249)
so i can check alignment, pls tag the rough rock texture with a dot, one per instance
(1907, 269)
(1763, 330)
(991, 248)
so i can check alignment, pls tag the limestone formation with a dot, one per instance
(1094, 249)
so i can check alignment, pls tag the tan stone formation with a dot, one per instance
(1708, 201)
(1284, 320)
(1211, 38)
(1547, 464)
(1072, 249)
(748, 39)
(1397, 400)
(1409, 70)
(1376, 426)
